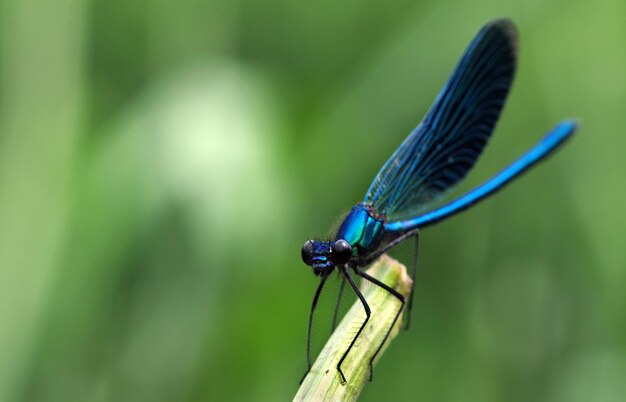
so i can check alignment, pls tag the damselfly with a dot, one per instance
(405, 195)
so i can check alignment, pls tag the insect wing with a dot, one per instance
(447, 143)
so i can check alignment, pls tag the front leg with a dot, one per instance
(395, 293)
(308, 333)
(367, 313)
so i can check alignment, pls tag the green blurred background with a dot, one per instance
(161, 164)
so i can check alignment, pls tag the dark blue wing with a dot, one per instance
(447, 143)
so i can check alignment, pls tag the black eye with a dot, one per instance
(307, 253)
(342, 252)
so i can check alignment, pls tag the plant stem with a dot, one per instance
(323, 382)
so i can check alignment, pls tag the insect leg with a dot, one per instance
(415, 254)
(367, 313)
(341, 286)
(395, 293)
(308, 334)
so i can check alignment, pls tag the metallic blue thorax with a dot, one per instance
(361, 229)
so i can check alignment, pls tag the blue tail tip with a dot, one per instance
(570, 124)
(565, 129)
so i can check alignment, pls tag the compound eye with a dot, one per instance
(342, 252)
(307, 253)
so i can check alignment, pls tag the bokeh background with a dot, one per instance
(162, 163)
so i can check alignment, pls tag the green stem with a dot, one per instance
(323, 381)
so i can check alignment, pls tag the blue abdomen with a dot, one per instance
(362, 230)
